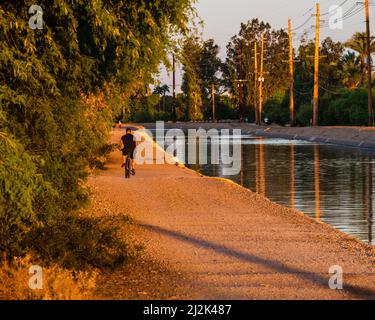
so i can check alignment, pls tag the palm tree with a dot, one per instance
(162, 91)
(351, 75)
(358, 43)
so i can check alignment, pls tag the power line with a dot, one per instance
(340, 5)
(332, 92)
(303, 93)
(303, 24)
(352, 11)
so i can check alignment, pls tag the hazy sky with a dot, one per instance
(222, 19)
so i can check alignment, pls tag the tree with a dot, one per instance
(358, 43)
(191, 82)
(351, 74)
(162, 91)
(276, 78)
(329, 67)
(330, 72)
(59, 90)
(209, 69)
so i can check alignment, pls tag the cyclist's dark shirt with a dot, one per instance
(128, 142)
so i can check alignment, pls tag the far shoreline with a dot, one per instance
(351, 137)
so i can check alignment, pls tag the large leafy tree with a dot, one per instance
(330, 69)
(330, 66)
(240, 51)
(358, 43)
(351, 74)
(209, 71)
(201, 66)
(191, 81)
(59, 88)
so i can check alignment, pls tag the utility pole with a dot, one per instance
(240, 84)
(369, 67)
(213, 103)
(261, 80)
(256, 83)
(291, 72)
(316, 69)
(174, 89)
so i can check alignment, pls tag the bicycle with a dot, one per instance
(127, 167)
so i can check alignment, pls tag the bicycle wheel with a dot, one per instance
(127, 168)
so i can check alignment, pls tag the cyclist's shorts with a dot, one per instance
(126, 152)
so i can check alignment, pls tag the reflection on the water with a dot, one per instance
(292, 181)
(328, 183)
(262, 175)
(257, 189)
(260, 179)
(368, 199)
(317, 182)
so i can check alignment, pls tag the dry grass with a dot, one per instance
(58, 283)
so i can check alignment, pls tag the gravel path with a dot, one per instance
(208, 238)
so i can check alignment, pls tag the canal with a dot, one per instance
(331, 184)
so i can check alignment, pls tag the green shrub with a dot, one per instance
(350, 108)
(92, 242)
(304, 115)
(25, 197)
(143, 116)
(225, 109)
(276, 109)
(31, 216)
(59, 88)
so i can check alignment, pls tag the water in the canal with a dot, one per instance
(329, 183)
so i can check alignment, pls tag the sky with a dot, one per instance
(222, 20)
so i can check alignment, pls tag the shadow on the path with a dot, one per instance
(359, 292)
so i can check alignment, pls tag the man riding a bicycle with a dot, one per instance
(128, 146)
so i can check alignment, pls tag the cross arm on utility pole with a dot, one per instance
(320, 57)
(362, 37)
